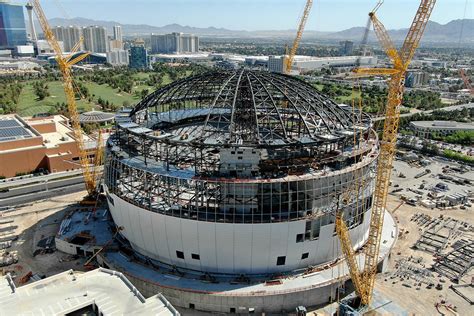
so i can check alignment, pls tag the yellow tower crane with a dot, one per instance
(65, 64)
(288, 61)
(364, 280)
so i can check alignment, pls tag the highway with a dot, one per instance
(26, 180)
(32, 197)
(41, 190)
(448, 108)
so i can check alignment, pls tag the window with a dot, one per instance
(179, 254)
(191, 306)
(316, 228)
(299, 238)
(308, 227)
(281, 261)
(232, 310)
(111, 200)
(305, 256)
(195, 256)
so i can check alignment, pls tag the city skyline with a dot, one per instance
(247, 15)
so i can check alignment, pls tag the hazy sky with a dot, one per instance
(326, 15)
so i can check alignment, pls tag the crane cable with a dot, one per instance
(461, 32)
(358, 187)
(463, 74)
(64, 13)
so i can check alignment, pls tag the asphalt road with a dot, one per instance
(448, 108)
(25, 180)
(39, 191)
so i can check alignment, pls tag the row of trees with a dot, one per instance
(59, 108)
(460, 137)
(374, 99)
(41, 89)
(422, 100)
(266, 49)
(117, 78)
(451, 154)
(9, 97)
(105, 105)
(462, 115)
(335, 91)
(81, 91)
(431, 148)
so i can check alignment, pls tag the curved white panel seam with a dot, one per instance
(153, 234)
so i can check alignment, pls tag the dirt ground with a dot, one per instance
(41, 220)
(31, 224)
(421, 301)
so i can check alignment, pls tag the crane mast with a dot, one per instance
(364, 281)
(65, 64)
(288, 61)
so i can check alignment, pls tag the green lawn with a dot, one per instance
(355, 94)
(107, 93)
(29, 105)
(141, 76)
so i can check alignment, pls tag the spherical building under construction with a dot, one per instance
(232, 179)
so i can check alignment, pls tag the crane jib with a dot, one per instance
(364, 282)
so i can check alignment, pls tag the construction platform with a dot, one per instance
(277, 293)
(97, 292)
(84, 231)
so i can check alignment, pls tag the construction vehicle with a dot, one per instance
(65, 63)
(466, 80)
(288, 61)
(364, 280)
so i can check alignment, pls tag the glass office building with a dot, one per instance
(138, 57)
(12, 25)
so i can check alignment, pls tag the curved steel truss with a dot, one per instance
(248, 108)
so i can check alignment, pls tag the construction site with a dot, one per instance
(248, 192)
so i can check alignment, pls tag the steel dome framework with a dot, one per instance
(247, 108)
(240, 147)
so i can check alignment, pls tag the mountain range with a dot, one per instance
(435, 32)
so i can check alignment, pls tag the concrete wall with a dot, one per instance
(30, 155)
(223, 302)
(226, 247)
(72, 249)
(21, 143)
(22, 161)
(65, 247)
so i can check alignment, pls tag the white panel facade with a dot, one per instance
(207, 245)
(224, 248)
(227, 248)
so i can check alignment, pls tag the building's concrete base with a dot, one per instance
(281, 303)
(193, 292)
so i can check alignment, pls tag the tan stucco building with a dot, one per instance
(38, 144)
